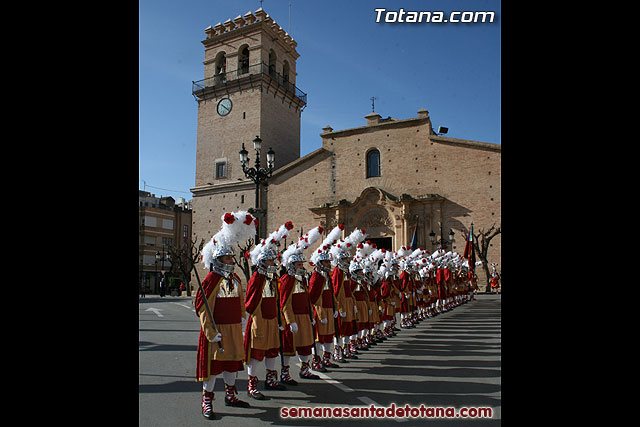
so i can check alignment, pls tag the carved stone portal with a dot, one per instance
(375, 218)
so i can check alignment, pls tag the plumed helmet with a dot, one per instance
(236, 227)
(322, 252)
(294, 251)
(266, 249)
(341, 251)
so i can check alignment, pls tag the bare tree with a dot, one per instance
(481, 244)
(186, 257)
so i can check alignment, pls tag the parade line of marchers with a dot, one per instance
(390, 411)
(350, 301)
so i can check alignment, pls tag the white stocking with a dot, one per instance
(208, 385)
(229, 378)
(270, 363)
(252, 367)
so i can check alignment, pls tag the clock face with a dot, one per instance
(224, 106)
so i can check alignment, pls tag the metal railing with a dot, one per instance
(247, 71)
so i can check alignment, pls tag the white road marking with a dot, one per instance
(183, 305)
(336, 383)
(156, 311)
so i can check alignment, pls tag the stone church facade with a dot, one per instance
(386, 175)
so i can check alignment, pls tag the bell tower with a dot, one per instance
(249, 89)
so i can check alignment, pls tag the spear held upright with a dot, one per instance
(206, 306)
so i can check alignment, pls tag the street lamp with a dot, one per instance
(441, 241)
(158, 257)
(257, 174)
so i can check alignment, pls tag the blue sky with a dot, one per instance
(450, 69)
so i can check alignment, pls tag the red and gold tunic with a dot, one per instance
(322, 300)
(395, 293)
(294, 304)
(225, 298)
(419, 298)
(374, 317)
(440, 281)
(261, 336)
(344, 298)
(433, 289)
(406, 286)
(362, 304)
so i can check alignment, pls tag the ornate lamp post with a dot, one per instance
(257, 174)
(441, 241)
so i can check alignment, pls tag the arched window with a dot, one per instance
(272, 63)
(285, 74)
(243, 60)
(373, 163)
(220, 68)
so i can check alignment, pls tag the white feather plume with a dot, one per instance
(326, 244)
(241, 229)
(301, 245)
(265, 244)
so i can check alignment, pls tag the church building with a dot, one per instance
(390, 176)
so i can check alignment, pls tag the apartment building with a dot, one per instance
(163, 223)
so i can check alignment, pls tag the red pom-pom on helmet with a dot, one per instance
(246, 254)
(348, 245)
(362, 229)
(229, 218)
(360, 246)
(248, 219)
(320, 230)
(288, 225)
(341, 227)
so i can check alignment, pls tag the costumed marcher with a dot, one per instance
(342, 286)
(262, 334)
(221, 309)
(373, 282)
(407, 288)
(495, 277)
(439, 280)
(323, 302)
(430, 291)
(415, 261)
(296, 307)
(360, 293)
(389, 292)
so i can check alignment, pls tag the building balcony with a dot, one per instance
(252, 75)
